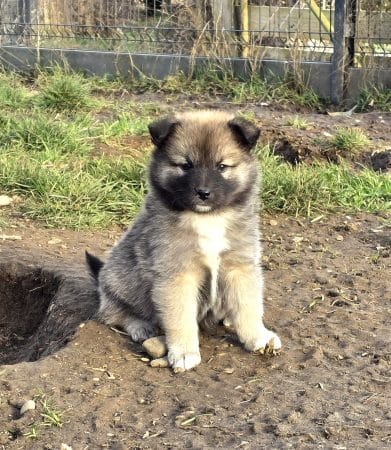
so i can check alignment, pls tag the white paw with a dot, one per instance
(139, 331)
(181, 361)
(266, 342)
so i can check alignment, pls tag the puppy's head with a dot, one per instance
(202, 161)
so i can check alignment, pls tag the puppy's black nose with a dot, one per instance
(203, 193)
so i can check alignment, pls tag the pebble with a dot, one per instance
(27, 406)
(321, 279)
(54, 241)
(160, 362)
(65, 447)
(155, 347)
(5, 200)
(273, 223)
(6, 237)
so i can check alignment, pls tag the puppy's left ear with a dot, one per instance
(162, 129)
(245, 132)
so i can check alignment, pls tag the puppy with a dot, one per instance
(193, 252)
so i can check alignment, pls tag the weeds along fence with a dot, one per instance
(328, 38)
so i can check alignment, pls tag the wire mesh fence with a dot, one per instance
(264, 29)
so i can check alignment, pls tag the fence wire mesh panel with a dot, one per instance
(373, 33)
(264, 29)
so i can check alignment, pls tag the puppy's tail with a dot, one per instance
(94, 264)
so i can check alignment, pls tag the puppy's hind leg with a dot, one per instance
(115, 315)
(243, 294)
(139, 330)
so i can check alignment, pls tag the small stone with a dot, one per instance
(6, 237)
(5, 200)
(27, 406)
(144, 359)
(339, 237)
(273, 223)
(65, 447)
(54, 241)
(160, 362)
(321, 279)
(155, 347)
(229, 370)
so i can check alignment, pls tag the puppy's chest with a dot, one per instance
(212, 241)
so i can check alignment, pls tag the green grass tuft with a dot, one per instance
(217, 82)
(76, 193)
(298, 122)
(12, 92)
(62, 91)
(38, 132)
(350, 140)
(320, 187)
(378, 99)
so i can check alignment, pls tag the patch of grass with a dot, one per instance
(51, 417)
(126, 123)
(313, 189)
(218, 82)
(33, 433)
(82, 193)
(76, 192)
(64, 91)
(12, 92)
(46, 157)
(38, 132)
(378, 99)
(350, 140)
(298, 122)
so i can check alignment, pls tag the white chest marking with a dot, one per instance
(212, 241)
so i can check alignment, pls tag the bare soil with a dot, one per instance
(327, 294)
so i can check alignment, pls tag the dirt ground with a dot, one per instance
(328, 295)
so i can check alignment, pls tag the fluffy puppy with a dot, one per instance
(193, 252)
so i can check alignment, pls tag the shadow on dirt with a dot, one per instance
(40, 309)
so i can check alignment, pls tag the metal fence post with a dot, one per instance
(22, 27)
(339, 54)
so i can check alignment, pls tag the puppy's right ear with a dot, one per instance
(162, 129)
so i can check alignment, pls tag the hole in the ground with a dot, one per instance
(40, 310)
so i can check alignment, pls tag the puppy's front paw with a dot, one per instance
(266, 342)
(181, 361)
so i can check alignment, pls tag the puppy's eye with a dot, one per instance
(186, 166)
(222, 167)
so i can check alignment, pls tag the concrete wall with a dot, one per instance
(317, 75)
